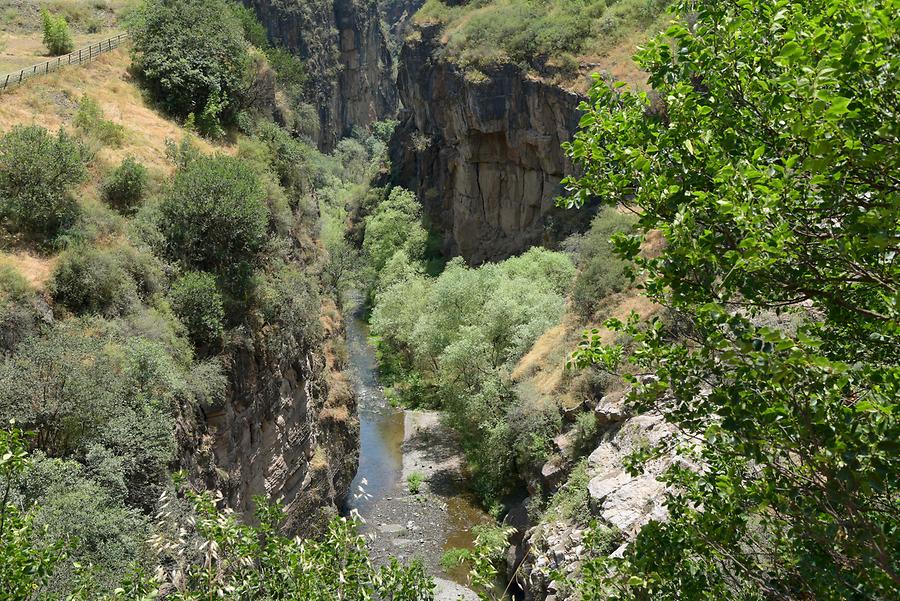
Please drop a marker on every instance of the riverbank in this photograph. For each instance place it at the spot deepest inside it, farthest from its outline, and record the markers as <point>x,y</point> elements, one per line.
<point>395,445</point>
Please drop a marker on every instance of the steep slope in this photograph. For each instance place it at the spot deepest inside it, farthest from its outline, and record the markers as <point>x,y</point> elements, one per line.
<point>347,56</point>
<point>285,425</point>
<point>483,154</point>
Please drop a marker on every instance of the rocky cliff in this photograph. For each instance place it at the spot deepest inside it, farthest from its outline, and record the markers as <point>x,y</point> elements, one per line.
<point>347,57</point>
<point>482,152</point>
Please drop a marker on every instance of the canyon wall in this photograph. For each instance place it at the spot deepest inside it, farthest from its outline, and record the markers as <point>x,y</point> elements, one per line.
<point>286,429</point>
<point>346,54</point>
<point>482,153</point>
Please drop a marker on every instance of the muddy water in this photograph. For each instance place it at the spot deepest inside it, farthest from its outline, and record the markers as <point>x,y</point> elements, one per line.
<point>398,523</point>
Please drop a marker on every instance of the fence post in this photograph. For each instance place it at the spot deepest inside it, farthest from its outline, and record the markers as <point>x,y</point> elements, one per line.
<point>111,43</point>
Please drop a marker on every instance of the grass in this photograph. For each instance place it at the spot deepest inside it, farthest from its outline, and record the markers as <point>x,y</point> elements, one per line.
<point>556,37</point>
<point>84,16</point>
<point>52,101</point>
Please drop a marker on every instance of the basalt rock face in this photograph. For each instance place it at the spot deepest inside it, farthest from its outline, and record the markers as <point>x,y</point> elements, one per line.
<point>483,156</point>
<point>286,429</point>
<point>347,57</point>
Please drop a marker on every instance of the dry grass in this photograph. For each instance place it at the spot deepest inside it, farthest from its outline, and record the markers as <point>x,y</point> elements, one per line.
<point>36,270</point>
<point>51,101</point>
<point>83,16</point>
<point>542,370</point>
<point>18,50</point>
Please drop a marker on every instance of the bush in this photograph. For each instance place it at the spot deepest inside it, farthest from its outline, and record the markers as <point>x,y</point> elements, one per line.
<point>125,186</point>
<point>602,271</point>
<point>198,304</point>
<point>214,217</point>
<point>90,122</point>
<point>192,55</point>
<point>37,172</point>
<point>88,279</point>
<point>414,482</point>
<point>57,37</point>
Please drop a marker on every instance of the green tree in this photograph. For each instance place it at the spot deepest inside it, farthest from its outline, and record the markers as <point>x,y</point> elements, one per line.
<point>198,304</point>
<point>214,217</point>
<point>57,37</point>
<point>25,565</point>
<point>394,225</point>
<point>126,185</point>
<point>193,56</point>
<point>37,173</point>
<point>768,162</point>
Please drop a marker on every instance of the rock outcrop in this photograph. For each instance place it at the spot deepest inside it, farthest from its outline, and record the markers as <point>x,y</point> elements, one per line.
<point>616,499</point>
<point>482,153</point>
<point>287,428</point>
<point>346,54</point>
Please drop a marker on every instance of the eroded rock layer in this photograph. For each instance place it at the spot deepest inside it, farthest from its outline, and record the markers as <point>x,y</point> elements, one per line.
<point>286,430</point>
<point>483,153</point>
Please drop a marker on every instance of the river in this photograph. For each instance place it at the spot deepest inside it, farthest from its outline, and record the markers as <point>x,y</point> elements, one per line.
<point>394,444</point>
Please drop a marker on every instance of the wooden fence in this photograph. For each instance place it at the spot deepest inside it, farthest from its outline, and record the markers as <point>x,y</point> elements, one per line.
<point>78,57</point>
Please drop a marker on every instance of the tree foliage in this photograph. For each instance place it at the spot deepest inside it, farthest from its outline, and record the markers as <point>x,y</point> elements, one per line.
<point>769,164</point>
<point>198,304</point>
<point>37,173</point>
<point>193,56</point>
<point>450,342</point>
<point>57,37</point>
<point>214,216</point>
<point>126,185</point>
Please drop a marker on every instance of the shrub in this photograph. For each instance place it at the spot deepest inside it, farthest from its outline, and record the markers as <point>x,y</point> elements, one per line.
<point>13,287</point>
<point>57,37</point>
<point>214,217</point>
<point>37,172</point>
<point>586,429</point>
<point>414,482</point>
<point>90,122</point>
<point>602,271</point>
<point>198,304</point>
<point>88,279</point>
<point>192,55</point>
<point>125,186</point>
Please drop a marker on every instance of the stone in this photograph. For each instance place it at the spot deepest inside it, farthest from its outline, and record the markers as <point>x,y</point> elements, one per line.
<point>346,51</point>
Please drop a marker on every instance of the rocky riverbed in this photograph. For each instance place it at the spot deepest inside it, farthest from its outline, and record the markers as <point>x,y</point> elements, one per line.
<point>399,446</point>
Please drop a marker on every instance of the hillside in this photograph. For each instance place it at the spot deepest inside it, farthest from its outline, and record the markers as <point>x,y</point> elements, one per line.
<point>559,40</point>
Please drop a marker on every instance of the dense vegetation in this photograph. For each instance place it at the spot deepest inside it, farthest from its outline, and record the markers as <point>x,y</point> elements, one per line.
<point>37,174</point>
<point>450,341</point>
<point>208,553</point>
<point>105,371</point>
<point>536,33</point>
<point>769,166</point>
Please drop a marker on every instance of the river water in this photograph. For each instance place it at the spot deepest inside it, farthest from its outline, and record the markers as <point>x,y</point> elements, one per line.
<point>393,443</point>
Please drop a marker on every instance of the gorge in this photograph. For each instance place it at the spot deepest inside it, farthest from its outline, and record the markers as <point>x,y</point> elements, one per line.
<point>429,300</point>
